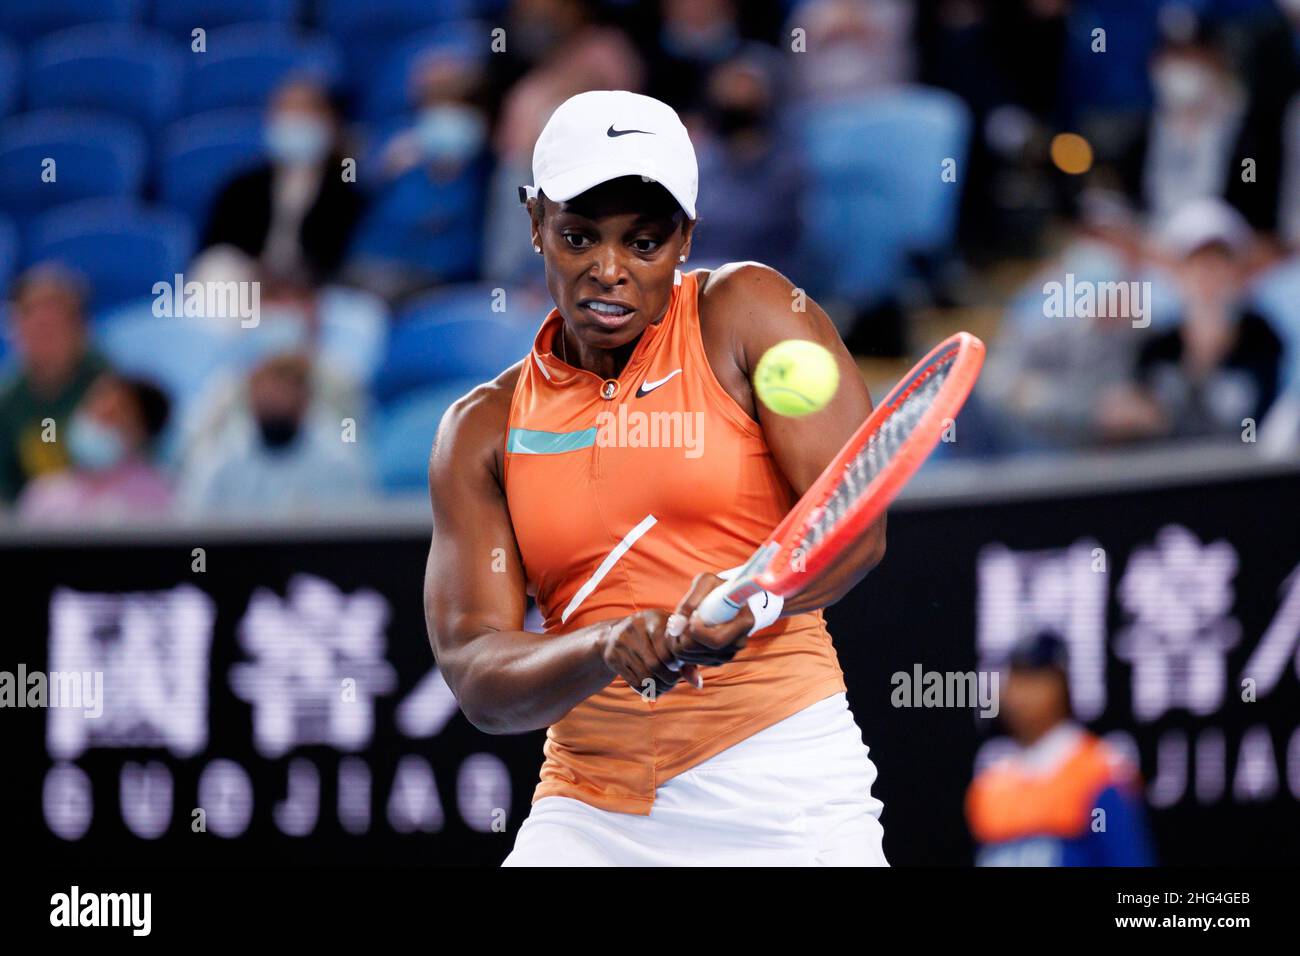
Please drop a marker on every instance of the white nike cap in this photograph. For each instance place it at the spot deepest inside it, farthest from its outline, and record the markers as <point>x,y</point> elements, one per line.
<point>594,137</point>
<point>1203,222</point>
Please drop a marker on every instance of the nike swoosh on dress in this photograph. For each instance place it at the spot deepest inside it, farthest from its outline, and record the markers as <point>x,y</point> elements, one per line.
<point>648,387</point>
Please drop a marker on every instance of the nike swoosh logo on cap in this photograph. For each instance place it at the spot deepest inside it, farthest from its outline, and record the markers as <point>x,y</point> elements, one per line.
<point>611,132</point>
<point>648,387</point>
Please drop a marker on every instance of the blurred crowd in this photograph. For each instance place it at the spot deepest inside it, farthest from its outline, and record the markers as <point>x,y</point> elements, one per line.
<point>895,158</point>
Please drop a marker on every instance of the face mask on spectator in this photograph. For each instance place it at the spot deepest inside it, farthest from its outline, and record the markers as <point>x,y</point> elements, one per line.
<point>449,133</point>
<point>297,140</point>
<point>278,431</point>
<point>1181,85</point>
<point>93,445</point>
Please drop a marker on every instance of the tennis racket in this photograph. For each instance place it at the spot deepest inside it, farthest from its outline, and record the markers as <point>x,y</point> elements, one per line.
<point>861,481</point>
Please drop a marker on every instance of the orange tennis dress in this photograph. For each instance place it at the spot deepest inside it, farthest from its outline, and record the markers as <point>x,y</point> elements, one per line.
<point>620,492</point>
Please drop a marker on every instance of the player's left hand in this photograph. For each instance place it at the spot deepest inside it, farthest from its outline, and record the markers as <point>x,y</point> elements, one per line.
<point>703,644</point>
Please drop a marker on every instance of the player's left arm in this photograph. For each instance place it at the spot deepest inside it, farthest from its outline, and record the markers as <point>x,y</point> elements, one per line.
<point>756,307</point>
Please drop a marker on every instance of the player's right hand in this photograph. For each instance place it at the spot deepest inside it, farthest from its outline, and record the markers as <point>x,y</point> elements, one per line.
<point>638,649</point>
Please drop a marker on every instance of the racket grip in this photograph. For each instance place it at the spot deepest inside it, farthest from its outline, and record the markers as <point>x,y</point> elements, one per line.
<point>717,608</point>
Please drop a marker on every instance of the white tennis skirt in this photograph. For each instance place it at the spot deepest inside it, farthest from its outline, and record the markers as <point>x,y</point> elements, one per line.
<point>795,794</point>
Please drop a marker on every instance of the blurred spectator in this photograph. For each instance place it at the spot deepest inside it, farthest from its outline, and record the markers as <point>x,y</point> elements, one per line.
<point>695,36</point>
<point>852,46</point>
<point>109,440</point>
<point>978,50</point>
<point>573,55</point>
<point>1049,377</point>
<point>1191,138</point>
<point>293,215</point>
<point>1222,363</point>
<point>577,55</point>
<point>1063,797</point>
<point>56,367</point>
<point>277,456</point>
<point>296,319</point>
<point>425,226</point>
<point>742,155</point>
<point>958,53</point>
<point>535,28</point>
<point>1270,69</point>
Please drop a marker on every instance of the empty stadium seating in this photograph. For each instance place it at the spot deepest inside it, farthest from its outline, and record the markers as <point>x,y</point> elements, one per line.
<point>121,246</point>
<point>450,335</point>
<point>26,21</point>
<point>387,93</point>
<point>876,191</point>
<point>123,70</point>
<point>406,432</point>
<point>365,31</point>
<point>244,63</point>
<point>180,17</point>
<point>92,156</point>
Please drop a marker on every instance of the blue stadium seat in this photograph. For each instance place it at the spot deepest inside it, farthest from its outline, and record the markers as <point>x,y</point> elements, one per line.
<point>8,254</point>
<point>180,17</point>
<point>386,92</point>
<point>466,302</point>
<point>244,64</point>
<point>437,344</point>
<point>120,69</point>
<point>432,228</point>
<point>368,32</point>
<point>94,156</point>
<point>121,246</point>
<point>199,155</point>
<point>876,193</point>
<point>11,71</point>
<point>24,21</point>
<point>406,432</point>
<point>352,331</point>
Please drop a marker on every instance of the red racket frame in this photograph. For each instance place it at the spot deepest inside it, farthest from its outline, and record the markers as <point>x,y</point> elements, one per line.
<point>770,566</point>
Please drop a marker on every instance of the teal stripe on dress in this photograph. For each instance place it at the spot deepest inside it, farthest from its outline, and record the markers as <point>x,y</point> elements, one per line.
<point>526,441</point>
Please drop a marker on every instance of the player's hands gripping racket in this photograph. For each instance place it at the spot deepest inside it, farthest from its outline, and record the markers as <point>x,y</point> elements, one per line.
<point>859,483</point>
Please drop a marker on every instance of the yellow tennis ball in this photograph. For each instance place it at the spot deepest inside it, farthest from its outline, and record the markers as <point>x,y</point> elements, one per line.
<point>796,377</point>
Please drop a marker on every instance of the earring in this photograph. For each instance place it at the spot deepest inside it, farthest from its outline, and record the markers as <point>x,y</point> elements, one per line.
<point>537,249</point>
<point>681,258</point>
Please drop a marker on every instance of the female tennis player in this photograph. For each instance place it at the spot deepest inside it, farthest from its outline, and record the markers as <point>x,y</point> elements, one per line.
<point>616,473</point>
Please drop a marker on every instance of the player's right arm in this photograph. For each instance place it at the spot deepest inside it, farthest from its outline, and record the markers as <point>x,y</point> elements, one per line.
<point>506,679</point>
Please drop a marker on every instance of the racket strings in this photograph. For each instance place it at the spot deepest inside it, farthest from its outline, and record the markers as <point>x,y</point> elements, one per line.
<point>879,450</point>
